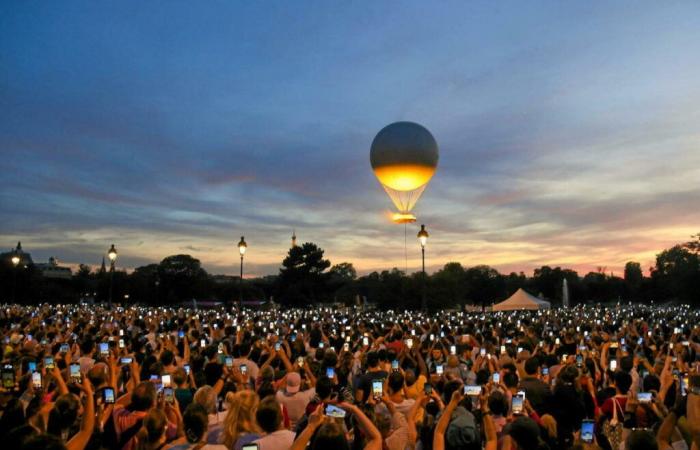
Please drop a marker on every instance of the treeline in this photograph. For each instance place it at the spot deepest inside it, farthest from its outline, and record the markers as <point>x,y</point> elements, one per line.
<point>306,277</point>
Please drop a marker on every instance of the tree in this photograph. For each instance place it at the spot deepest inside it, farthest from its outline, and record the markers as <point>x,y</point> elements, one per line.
<point>448,286</point>
<point>303,275</point>
<point>484,285</point>
<point>344,271</point>
<point>633,278</point>
<point>677,274</point>
<point>694,245</point>
<point>182,279</point>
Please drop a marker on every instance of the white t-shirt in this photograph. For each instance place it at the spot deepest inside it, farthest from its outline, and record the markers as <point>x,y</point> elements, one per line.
<point>295,403</point>
<point>279,440</point>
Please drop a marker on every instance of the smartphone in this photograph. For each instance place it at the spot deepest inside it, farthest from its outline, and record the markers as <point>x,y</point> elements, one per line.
<point>579,361</point>
<point>229,362</point>
<point>482,352</point>
<point>300,361</point>
<point>644,397</point>
<point>104,349</point>
<point>335,412</point>
<point>377,388</point>
<point>503,349</point>
<point>473,390</point>
<point>121,332</point>
<point>428,389</point>
<point>121,343</point>
<point>409,343</point>
<point>517,404</point>
<point>395,365</point>
<point>587,431</point>
<point>36,380</point>
<point>31,366</point>
<point>250,447</point>
<point>169,395</point>
<point>545,371</point>
<point>220,349</point>
<point>330,372</point>
<point>64,348</point>
<point>439,369</point>
<point>453,349</point>
<point>365,341</point>
<point>75,375</point>
<point>126,360</point>
<point>557,341</point>
<point>108,396</point>
<point>8,376</point>
<point>187,369</point>
<point>244,369</point>
<point>684,381</point>
<point>203,343</point>
<point>165,379</point>
<point>496,377</point>
<point>278,346</point>
<point>613,365</point>
<point>48,362</point>
<point>181,334</point>
<point>346,347</point>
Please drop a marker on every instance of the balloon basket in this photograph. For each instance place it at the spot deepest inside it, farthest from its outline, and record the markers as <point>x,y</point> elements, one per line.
<point>403,218</point>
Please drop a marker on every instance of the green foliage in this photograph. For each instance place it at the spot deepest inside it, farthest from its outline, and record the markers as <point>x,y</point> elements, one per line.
<point>303,277</point>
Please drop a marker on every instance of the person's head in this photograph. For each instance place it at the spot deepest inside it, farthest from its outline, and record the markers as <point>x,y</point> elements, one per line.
<point>43,441</point>
<point>293,383</point>
<point>410,377</point>
<point>396,382</point>
<point>524,432</point>
<point>179,377</point>
<point>152,432</point>
<point>510,379</point>
<point>87,346</point>
<point>532,365</point>
<point>324,388</point>
<point>372,360</point>
<point>498,404</point>
<point>195,422</point>
<point>623,382</point>
<point>143,397</point>
<point>167,358</point>
<point>98,374</point>
<point>641,440</point>
<point>330,435</point>
<point>206,397</point>
<point>242,408</point>
<point>63,414</point>
<point>269,415</point>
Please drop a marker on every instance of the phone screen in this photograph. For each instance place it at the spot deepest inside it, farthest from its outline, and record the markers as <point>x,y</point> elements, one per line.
<point>104,348</point>
<point>377,388</point>
<point>36,380</point>
<point>496,377</point>
<point>229,361</point>
<point>250,447</point>
<point>545,371</point>
<point>517,406</point>
<point>394,365</point>
<point>472,390</point>
<point>644,397</point>
<point>330,372</point>
<point>108,395</point>
<point>75,372</point>
<point>8,376</point>
<point>439,369</point>
<point>613,365</point>
<point>48,362</point>
<point>428,389</point>
<point>169,395</point>
<point>165,379</point>
<point>587,431</point>
<point>244,369</point>
<point>334,411</point>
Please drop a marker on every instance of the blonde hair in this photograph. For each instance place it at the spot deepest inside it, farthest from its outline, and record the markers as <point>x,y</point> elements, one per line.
<point>549,424</point>
<point>240,418</point>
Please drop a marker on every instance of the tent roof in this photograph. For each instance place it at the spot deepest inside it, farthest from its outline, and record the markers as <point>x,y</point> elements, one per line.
<point>521,300</point>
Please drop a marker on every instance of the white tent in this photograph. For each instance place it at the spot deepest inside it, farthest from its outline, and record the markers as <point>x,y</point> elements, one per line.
<point>521,300</point>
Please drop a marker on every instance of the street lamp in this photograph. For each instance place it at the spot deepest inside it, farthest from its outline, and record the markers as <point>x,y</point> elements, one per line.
<point>15,262</point>
<point>242,247</point>
<point>112,255</point>
<point>423,238</point>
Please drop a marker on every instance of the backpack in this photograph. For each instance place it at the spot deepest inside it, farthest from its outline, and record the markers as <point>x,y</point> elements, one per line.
<point>612,429</point>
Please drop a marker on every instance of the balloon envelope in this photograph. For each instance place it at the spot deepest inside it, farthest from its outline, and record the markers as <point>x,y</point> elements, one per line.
<point>404,157</point>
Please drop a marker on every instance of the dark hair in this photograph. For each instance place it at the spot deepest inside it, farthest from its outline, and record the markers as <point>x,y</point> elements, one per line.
<point>531,365</point>
<point>641,440</point>
<point>324,387</point>
<point>510,379</point>
<point>143,396</point>
<point>167,357</point>
<point>43,442</point>
<point>330,435</point>
<point>372,359</point>
<point>268,415</point>
<point>195,421</point>
<point>63,414</point>
<point>13,415</point>
<point>498,403</point>
<point>154,425</point>
<point>623,381</point>
<point>396,381</point>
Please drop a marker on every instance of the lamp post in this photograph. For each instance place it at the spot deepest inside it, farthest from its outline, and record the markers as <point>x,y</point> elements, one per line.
<point>242,247</point>
<point>112,255</point>
<point>15,262</point>
<point>423,238</point>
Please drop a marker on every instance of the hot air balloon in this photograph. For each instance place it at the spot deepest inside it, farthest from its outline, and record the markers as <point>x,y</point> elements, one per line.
<point>404,157</point>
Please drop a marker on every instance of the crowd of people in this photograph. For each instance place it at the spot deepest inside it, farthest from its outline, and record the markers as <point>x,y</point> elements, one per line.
<point>86,377</point>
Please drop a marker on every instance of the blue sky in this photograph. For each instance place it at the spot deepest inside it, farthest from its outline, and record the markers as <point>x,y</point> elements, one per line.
<point>569,133</point>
